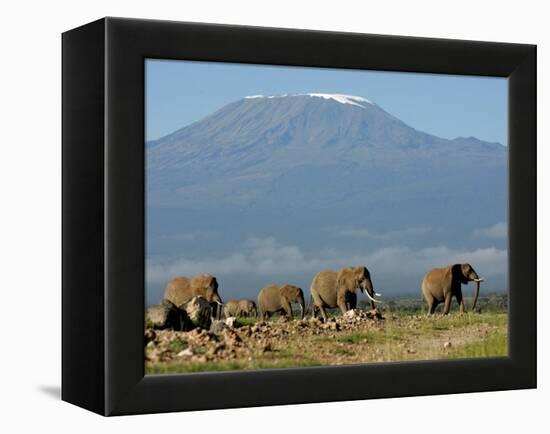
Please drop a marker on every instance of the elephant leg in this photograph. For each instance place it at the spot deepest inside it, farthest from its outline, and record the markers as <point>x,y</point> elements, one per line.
<point>460,301</point>
<point>448,298</point>
<point>323,313</point>
<point>342,303</point>
<point>432,304</point>
<point>352,301</point>
<point>287,308</point>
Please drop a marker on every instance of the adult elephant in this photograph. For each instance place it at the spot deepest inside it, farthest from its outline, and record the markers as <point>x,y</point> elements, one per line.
<point>440,285</point>
<point>182,289</point>
<point>330,289</point>
<point>278,299</point>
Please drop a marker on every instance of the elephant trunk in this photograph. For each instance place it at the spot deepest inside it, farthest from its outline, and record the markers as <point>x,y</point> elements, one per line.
<point>478,282</point>
<point>218,306</point>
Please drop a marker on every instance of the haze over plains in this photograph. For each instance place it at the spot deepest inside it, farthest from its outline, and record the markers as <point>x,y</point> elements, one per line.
<point>273,187</point>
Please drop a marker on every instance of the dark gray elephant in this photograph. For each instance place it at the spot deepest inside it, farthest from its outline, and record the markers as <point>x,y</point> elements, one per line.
<point>440,285</point>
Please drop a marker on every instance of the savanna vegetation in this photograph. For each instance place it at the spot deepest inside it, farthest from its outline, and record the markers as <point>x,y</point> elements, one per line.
<point>400,331</point>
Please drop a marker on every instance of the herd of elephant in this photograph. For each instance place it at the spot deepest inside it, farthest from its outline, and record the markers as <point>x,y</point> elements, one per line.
<point>329,289</point>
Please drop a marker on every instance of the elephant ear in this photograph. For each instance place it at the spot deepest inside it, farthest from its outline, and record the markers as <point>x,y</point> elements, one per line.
<point>361,272</point>
<point>290,292</point>
<point>285,291</point>
<point>210,281</point>
<point>345,279</point>
<point>457,273</point>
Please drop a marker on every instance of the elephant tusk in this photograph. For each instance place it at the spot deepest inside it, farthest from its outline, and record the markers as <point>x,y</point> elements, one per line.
<point>369,296</point>
<point>221,304</point>
<point>481,279</point>
<point>377,294</point>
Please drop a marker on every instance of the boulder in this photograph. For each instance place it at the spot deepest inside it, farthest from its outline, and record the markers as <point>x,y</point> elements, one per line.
<point>218,326</point>
<point>352,313</point>
<point>230,322</point>
<point>188,352</point>
<point>166,315</point>
<point>374,314</point>
<point>199,312</point>
<point>150,335</point>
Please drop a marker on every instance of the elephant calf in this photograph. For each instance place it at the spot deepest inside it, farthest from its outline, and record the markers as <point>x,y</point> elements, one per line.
<point>278,299</point>
<point>240,308</point>
<point>442,284</point>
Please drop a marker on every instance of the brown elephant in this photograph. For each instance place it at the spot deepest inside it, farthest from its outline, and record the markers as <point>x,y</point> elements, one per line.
<point>182,289</point>
<point>442,284</point>
<point>240,308</point>
<point>330,289</point>
<point>248,308</point>
<point>278,299</point>
<point>231,308</point>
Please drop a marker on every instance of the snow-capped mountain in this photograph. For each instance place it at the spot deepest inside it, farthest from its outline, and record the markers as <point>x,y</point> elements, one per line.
<point>300,167</point>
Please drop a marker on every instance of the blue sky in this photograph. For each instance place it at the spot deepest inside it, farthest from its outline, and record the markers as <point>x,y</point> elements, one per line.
<point>181,92</point>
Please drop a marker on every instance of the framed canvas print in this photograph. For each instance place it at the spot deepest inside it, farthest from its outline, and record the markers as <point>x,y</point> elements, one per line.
<point>299,216</point>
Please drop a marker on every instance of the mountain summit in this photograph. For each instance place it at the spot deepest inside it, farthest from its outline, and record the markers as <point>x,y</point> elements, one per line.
<point>342,99</point>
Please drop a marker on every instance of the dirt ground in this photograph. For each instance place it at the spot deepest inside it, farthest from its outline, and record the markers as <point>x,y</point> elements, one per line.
<point>356,338</point>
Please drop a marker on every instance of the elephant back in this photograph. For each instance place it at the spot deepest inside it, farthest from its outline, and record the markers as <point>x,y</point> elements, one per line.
<point>182,289</point>
<point>323,287</point>
<point>269,298</point>
<point>178,291</point>
<point>324,280</point>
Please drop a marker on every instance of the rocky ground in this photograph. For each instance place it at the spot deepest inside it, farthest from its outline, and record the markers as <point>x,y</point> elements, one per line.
<point>357,337</point>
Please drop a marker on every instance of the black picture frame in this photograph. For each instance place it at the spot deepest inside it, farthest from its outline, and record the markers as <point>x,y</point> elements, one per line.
<point>103,215</point>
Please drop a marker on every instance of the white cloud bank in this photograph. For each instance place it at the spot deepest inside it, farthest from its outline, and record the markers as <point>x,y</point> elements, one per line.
<point>267,257</point>
<point>365,233</point>
<point>498,230</point>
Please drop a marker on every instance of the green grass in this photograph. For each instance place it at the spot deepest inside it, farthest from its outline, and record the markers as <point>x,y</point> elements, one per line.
<point>440,322</point>
<point>245,321</point>
<point>493,346</point>
<point>177,345</point>
<point>230,365</point>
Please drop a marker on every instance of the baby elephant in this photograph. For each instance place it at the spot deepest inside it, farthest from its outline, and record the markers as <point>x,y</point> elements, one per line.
<point>240,308</point>
<point>278,299</point>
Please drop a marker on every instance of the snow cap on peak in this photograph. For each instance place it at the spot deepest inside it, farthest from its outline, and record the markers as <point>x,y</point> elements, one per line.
<point>341,98</point>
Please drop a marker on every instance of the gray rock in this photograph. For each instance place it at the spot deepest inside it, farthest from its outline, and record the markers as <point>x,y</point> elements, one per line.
<point>199,312</point>
<point>230,322</point>
<point>188,352</point>
<point>218,326</point>
<point>166,315</point>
